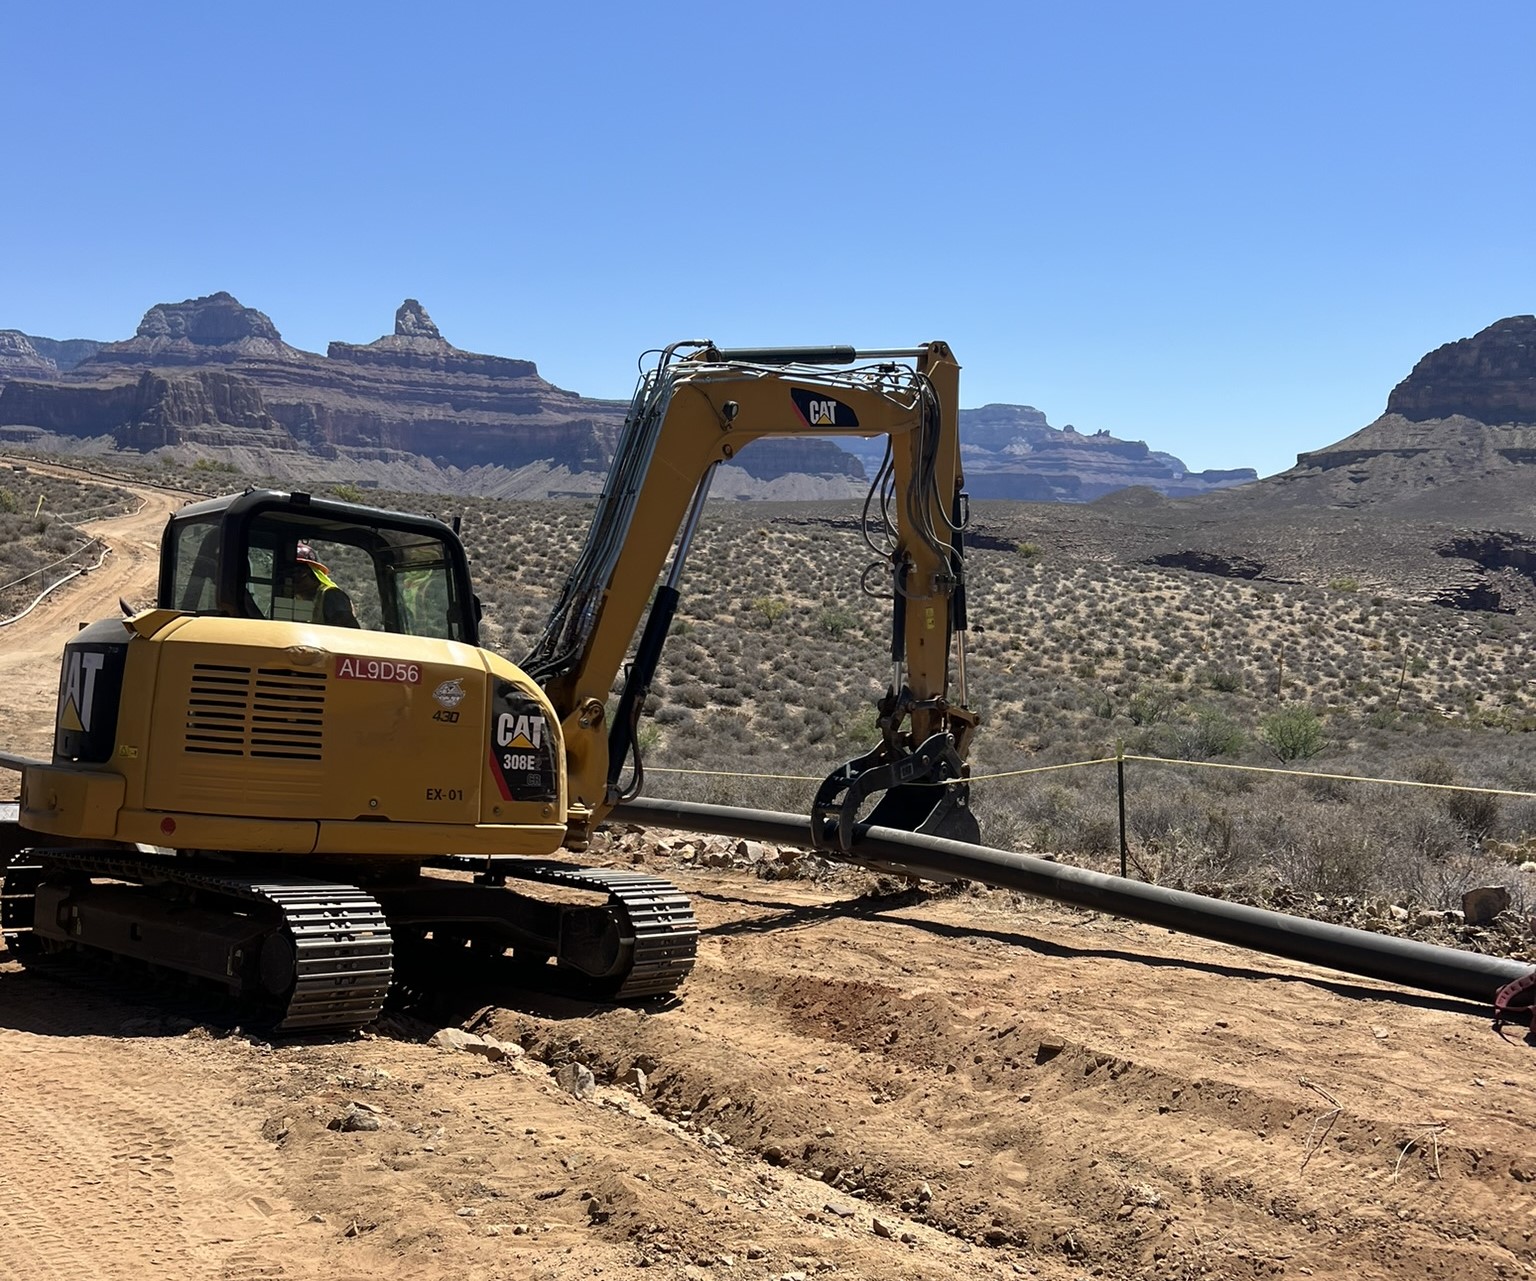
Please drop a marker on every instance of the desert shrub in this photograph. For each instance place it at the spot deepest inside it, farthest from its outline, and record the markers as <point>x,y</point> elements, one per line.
<point>1210,733</point>
<point>1001,826</point>
<point>1475,813</point>
<point>1154,818</point>
<point>1328,859</point>
<point>1292,733</point>
<point>1440,882</point>
<point>692,695</point>
<point>1331,791</point>
<point>1095,835</point>
<point>834,620</point>
<point>860,727</point>
<point>1224,680</point>
<point>1433,769</point>
<point>770,609</point>
<point>1148,706</point>
<point>1417,834</point>
<point>9,503</point>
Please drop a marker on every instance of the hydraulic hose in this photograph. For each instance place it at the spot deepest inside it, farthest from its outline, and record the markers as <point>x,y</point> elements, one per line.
<point>1446,970</point>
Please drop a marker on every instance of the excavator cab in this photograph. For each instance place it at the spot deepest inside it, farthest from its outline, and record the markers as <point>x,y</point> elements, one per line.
<point>264,554</point>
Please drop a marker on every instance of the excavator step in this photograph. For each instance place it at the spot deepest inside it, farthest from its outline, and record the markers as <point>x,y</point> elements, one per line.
<point>18,890</point>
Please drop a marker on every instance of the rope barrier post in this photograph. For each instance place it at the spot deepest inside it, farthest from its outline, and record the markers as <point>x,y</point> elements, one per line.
<point>1120,788</point>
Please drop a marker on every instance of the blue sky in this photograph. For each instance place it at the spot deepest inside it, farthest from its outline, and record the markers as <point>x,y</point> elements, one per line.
<point>1226,229</point>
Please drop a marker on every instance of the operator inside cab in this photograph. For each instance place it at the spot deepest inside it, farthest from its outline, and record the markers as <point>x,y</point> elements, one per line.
<point>311,581</point>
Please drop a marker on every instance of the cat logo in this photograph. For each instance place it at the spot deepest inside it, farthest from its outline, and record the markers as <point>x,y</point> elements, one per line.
<point>522,749</point>
<point>526,732</point>
<point>817,409</point>
<point>79,700</point>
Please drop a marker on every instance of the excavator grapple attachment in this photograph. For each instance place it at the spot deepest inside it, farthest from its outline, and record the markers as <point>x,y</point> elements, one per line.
<point>925,791</point>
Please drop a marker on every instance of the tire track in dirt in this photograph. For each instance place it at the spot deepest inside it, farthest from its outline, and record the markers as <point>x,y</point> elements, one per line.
<point>107,1172</point>
<point>126,1152</point>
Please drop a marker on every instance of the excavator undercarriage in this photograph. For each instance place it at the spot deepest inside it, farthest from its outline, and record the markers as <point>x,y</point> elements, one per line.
<point>300,953</point>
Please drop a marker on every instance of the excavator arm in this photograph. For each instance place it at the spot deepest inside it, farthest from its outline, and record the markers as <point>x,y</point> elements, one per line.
<point>696,408</point>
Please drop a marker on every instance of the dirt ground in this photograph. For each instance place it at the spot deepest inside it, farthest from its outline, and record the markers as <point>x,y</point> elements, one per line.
<point>945,1085</point>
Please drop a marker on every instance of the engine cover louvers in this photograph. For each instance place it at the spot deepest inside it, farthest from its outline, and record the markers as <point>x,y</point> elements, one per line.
<point>271,712</point>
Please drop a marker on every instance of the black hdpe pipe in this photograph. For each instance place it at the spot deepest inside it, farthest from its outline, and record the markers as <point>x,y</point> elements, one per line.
<point>1446,970</point>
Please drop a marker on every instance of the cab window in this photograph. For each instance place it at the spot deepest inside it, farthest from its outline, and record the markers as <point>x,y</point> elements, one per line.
<point>194,574</point>
<point>392,580</point>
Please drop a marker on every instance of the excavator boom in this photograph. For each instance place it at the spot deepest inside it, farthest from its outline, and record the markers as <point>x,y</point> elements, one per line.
<point>699,406</point>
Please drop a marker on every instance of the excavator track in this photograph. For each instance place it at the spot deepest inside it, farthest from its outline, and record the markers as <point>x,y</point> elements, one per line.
<point>18,886</point>
<point>317,955</point>
<point>322,958</point>
<point>658,930</point>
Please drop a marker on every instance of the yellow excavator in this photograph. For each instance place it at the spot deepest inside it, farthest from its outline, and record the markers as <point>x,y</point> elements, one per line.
<point>261,780</point>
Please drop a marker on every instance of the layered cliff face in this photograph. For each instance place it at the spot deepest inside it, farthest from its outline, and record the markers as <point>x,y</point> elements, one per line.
<point>1012,452</point>
<point>1459,433</point>
<point>212,406</point>
<point>66,353</point>
<point>199,331</point>
<point>410,410</point>
<point>1489,377</point>
<point>418,345</point>
<point>212,373</point>
<point>19,357</point>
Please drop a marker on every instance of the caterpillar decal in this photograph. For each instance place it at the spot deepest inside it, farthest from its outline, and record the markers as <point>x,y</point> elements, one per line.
<point>90,686</point>
<point>522,748</point>
<point>817,409</point>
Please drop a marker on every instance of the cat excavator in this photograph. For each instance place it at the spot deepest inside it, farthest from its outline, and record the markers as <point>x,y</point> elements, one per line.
<point>300,766</point>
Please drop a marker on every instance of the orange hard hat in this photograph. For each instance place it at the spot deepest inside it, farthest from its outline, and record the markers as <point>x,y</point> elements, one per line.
<point>305,555</point>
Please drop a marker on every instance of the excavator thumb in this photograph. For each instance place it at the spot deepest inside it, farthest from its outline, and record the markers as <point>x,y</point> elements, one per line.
<point>925,791</point>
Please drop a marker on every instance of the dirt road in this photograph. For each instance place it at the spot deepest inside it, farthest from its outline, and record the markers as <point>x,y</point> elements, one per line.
<point>30,647</point>
<point>958,1086</point>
